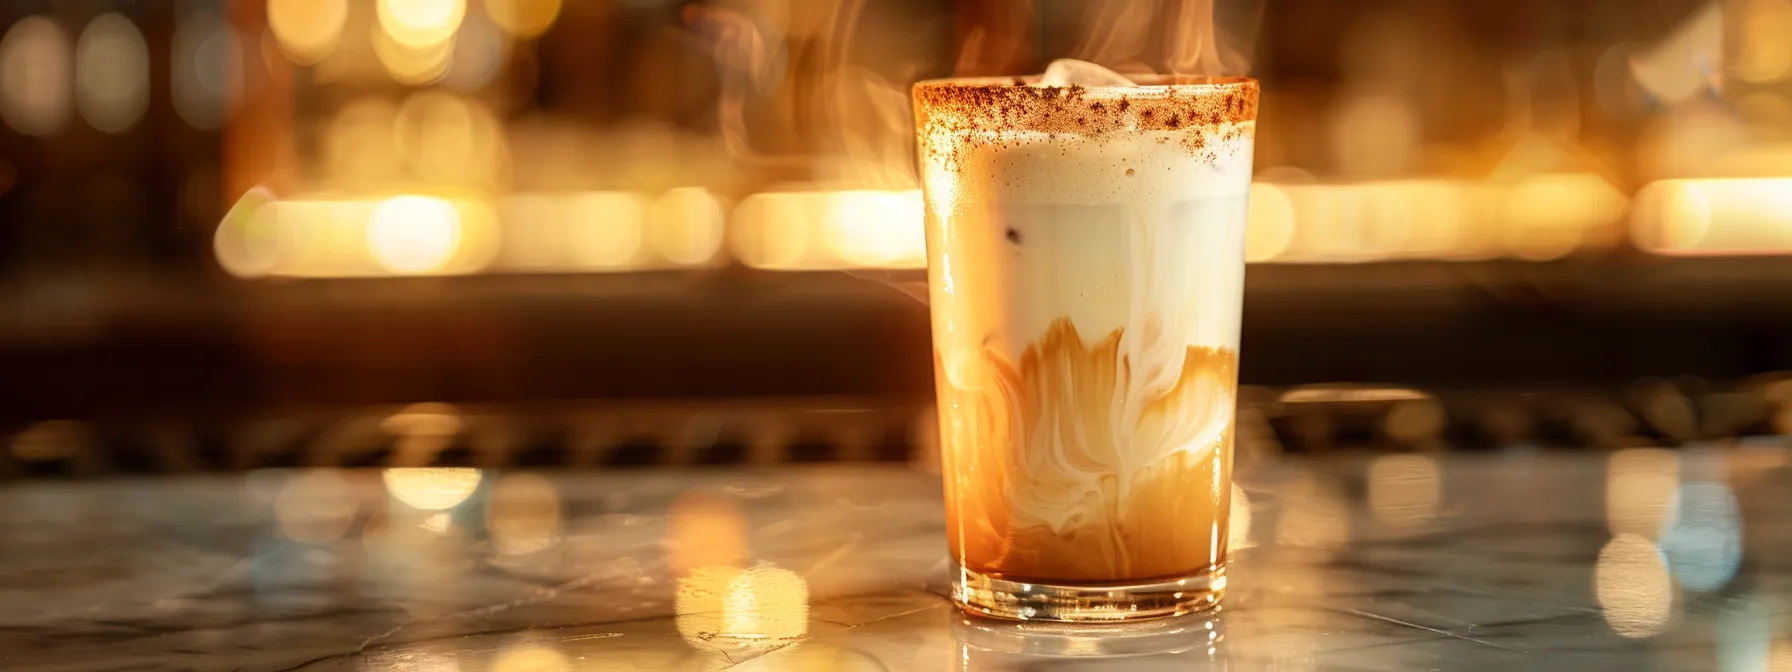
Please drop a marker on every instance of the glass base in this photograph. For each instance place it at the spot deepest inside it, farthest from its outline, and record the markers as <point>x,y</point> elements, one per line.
<point>982,595</point>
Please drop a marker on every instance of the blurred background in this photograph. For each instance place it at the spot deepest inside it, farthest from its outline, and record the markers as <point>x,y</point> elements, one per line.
<point>247,233</point>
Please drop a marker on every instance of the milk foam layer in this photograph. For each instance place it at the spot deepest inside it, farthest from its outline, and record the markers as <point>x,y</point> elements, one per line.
<point>1085,289</point>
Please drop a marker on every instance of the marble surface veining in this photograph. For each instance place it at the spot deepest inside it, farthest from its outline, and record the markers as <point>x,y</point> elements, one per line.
<point>1639,559</point>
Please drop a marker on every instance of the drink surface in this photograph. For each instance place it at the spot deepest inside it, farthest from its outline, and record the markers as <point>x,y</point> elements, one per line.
<point>1086,268</point>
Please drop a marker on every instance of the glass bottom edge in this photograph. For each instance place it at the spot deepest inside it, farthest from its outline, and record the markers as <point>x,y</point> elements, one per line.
<point>982,595</point>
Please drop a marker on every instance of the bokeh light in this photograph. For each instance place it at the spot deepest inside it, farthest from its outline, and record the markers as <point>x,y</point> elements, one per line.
<point>1702,539</point>
<point>1639,487</point>
<point>111,73</point>
<point>412,235</point>
<point>1546,216</point>
<point>1764,54</point>
<point>480,49</point>
<point>1631,583</point>
<point>523,514</point>
<point>207,67</point>
<point>307,30</point>
<point>705,530</point>
<point>1714,216</point>
<point>686,227</point>
<point>817,230</point>
<point>606,229</point>
<point>523,18</point>
<point>35,73</point>
<point>431,488</point>
<point>316,506</point>
<point>413,65</point>
<point>1272,223</point>
<point>420,24</point>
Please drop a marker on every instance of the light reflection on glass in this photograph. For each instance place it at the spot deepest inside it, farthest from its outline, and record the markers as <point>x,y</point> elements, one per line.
<point>1639,486</point>
<point>1404,490</point>
<point>1703,536</point>
<point>1631,584</point>
<point>523,514</point>
<point>431,489</point>
<point>1238,524</point>
<point>316,506</point>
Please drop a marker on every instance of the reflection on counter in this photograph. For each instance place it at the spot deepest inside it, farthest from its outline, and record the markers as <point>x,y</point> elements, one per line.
<point>1405,490</point>
<point>431,488</point>
<point>1632,585</point>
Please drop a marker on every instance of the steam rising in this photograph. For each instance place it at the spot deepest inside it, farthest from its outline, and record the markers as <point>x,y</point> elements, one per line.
<point>1118,35</point>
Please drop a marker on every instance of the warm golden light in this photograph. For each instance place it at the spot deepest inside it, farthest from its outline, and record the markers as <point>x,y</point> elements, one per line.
<point>772,230</point>
<point>1765,55</point>
<point>247,241</point>
<point>703,531</point>
<point>1546,215</point>
<point>768,604</point>
<point>605,229</point>
<point>686,226</point>
<point>1715,217</point>
<point>316,506</point>
<point>431,489</point>
<point>420,24</point>
<point>50,440</point>
<point>1680,66</point>
<point>523,18</point>
<point>1333,394</point>
<point>413,66</point>
<point>698,602</point>
<point>523,514</point>
<point>1405,490</point>
<point>722,607</point>
<point>1639,489</point>
<point>35,69</point>
<point>876,229</point>
<point>450,141</point>
<point>1632,585</point>
<point>411,235</point>
<point>1238,524</point>
<point>111,74</point>
<point>307,30</point>
<point>1271,227</point>
<point>825,230</point>
<point>531,657</point>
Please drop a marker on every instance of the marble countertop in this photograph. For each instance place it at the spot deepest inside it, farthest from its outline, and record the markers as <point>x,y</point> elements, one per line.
<point>1639,559</point>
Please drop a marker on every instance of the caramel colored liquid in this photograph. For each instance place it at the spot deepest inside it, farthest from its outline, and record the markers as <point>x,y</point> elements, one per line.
<point>1040,481</point>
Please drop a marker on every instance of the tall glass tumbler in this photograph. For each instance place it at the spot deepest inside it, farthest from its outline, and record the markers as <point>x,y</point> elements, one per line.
<point>1086,265</point>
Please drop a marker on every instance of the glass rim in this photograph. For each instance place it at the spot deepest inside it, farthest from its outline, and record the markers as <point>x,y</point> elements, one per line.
<point>1143,83</point>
